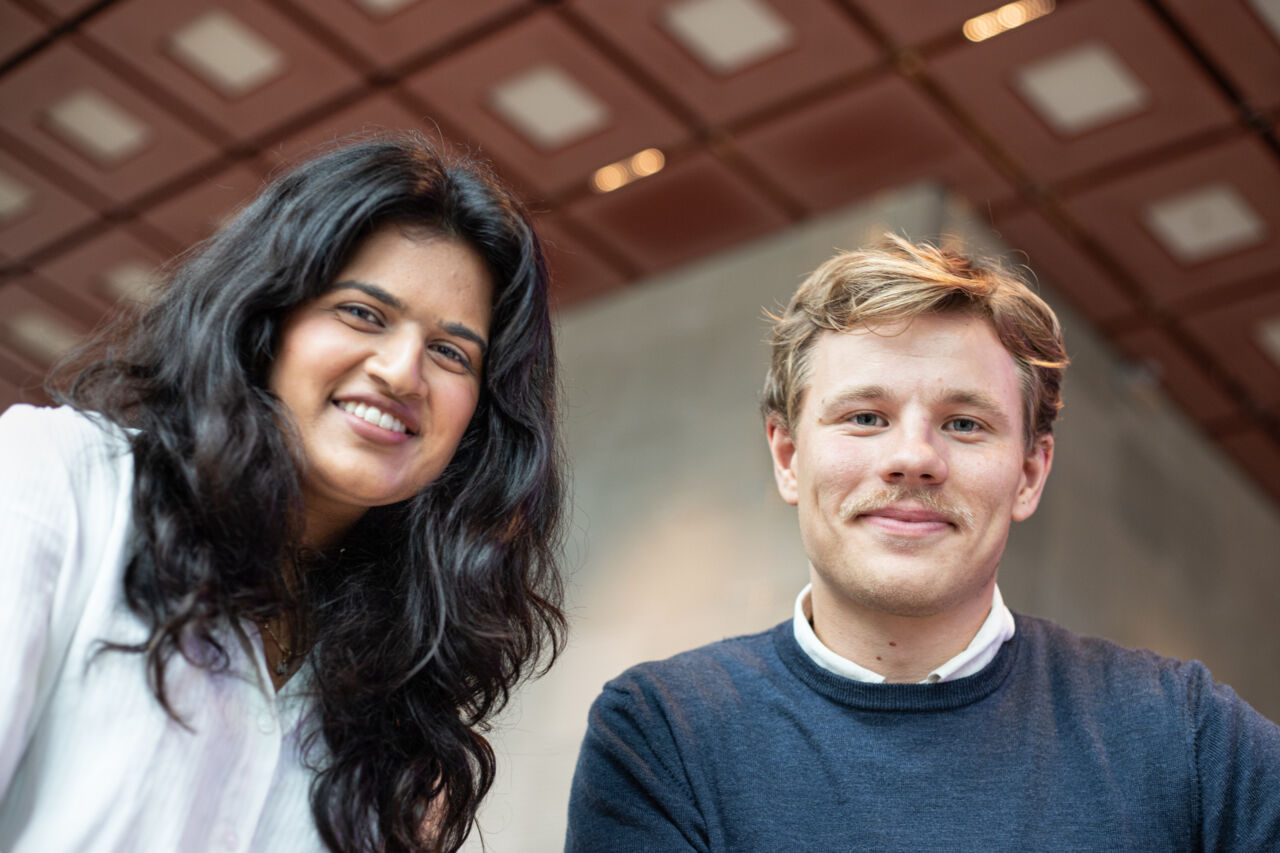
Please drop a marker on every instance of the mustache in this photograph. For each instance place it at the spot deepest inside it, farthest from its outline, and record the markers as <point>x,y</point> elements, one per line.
<point>956,513</point>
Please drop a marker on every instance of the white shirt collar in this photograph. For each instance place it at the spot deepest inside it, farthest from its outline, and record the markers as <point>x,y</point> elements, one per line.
<point>995,631</point>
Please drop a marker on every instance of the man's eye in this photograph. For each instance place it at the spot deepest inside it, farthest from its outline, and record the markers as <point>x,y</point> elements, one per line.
<point>965,425</point>
<point>867,419</point>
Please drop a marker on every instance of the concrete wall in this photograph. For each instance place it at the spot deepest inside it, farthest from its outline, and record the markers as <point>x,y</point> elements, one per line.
<point>1145,534</point>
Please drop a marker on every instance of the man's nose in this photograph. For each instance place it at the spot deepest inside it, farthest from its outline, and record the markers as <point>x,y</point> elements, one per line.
<point>913,456</point>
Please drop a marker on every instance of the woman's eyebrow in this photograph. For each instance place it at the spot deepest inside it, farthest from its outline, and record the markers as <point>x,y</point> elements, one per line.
<point>466,332</point>
<point>371,289</point>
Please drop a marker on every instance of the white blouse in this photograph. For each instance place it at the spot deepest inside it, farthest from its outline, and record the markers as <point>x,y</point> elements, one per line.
<point>88,758</point>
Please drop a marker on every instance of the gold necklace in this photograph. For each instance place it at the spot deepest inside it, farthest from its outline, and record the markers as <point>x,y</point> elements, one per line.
<point>286,654</point>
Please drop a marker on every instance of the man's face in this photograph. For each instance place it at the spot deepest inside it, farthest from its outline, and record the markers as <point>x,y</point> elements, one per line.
<point>907,465</point>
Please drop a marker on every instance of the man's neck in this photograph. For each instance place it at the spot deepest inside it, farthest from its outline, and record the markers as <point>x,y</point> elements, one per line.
<point>901,648</point>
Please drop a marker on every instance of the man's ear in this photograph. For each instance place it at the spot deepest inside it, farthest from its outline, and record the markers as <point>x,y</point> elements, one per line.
<point>783,449</point>
<point>1035,471</point>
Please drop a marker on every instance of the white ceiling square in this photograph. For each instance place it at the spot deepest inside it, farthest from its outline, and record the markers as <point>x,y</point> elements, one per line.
<point>14,198</point>
<point>548,107</point>
<point>727,35</point>
<point>1268,336</point>
<point>40,336</point>
<point>1269,12</point>
<point>1081,88</point>
<point>97,126</point>
<point>1206,222</point>
<point>225,53</point>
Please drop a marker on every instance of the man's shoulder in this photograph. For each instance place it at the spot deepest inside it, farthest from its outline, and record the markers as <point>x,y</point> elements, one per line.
<point>736,662</point>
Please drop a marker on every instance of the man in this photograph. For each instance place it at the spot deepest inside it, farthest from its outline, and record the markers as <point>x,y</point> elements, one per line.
<point>909,410</point>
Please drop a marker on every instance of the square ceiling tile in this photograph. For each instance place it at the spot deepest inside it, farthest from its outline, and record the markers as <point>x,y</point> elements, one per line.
<point>858,142</point>
<point>548,107</point>
<point>42,213</point>
<point>34,329</point>
<point>1207,222</point>
<point>727,35</point>
<point>459,89</point>
<point>1180,101</point>
<point>1065,267</point>
<point>690,209</point>
<point>823,45</point>
<point>62,71</point>
<point>407,29</point>
<point>202,209</point>
<point>1118,214</point>
<point>578,273</point>
<point>1239,41</point>
<point>297,74</point>
<point>1236,335</point>
<point>1081,88</point>
<point>115,264</point>
<point>1179,374</point>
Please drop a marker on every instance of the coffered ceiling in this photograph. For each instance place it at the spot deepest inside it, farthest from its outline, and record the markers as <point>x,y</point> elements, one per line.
<point>1127,147</point>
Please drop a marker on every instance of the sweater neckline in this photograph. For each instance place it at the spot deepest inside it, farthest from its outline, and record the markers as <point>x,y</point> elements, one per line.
<point>865,696</point>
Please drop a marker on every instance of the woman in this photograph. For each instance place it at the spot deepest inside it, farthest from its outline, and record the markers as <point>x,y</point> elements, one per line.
<point>297,539</point>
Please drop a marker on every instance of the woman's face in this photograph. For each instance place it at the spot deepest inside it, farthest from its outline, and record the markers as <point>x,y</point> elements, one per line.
<point>382,373</point>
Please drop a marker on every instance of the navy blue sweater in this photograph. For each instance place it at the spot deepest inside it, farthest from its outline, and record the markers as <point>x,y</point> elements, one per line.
<point>1060,743</point>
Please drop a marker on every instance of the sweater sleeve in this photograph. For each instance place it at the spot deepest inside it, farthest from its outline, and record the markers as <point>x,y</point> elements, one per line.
<point>1237,765</point>
<point>37,526</point>
<point>630,792</point>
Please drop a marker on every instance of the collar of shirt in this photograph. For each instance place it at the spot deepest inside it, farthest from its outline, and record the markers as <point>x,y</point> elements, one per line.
<point>996,630</point>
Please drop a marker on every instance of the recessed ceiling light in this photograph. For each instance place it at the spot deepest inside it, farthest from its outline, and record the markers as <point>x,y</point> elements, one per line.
<point>1269,338</point>
<point>1081,88</point>
<point>135,281</point>
<point>383,8</point>
<point>14,198</point>
<point>39,336</point>
<point>1205,222</point>
<point>95,125</point>
<point>1269,12</point>
<point>727,35</point>
<point>548,107</point>
<point>226,53</point>
<point>1008,17</point>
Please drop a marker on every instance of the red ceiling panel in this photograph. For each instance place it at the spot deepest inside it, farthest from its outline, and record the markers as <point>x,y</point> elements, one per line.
<point>910,22</point>
<point>18,29</point>
<point>1182,378</point>
<point>1068,270</point>
<point>138,33</point>
<point>50,212</point>
<point>695,207</point>
<point>1232,334</point>
<point>201,210</point>
<point>577,273</point>
<point>1258,457</point>
<point>1113,214</point>
<point>826,45</point>
<point>9,391</point>
<point>370,115</point>
<point>66,8</point>
<point>84,270</point>
<point>61,70</point>
<point>411,31</point>
<point>1238,40</point>
<point>877,136</point>
<point>458,88</point>
<point>1182,101</point>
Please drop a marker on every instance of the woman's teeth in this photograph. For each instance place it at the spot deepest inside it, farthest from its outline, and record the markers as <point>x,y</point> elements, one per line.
<point>374,415</point>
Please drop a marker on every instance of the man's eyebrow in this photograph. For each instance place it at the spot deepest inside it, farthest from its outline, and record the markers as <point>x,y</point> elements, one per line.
<point>458,329</point>
<point>365,287</point>
<point>975,399</point>
<point>856,392</point>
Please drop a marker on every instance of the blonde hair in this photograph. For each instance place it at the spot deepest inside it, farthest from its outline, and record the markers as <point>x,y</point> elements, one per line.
<point>898,281</point>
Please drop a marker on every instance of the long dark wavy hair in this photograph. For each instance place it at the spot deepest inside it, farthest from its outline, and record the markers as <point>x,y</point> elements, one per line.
<point>430,611</point>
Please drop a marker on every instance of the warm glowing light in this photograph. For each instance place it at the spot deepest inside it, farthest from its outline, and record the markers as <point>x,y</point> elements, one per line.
<point>647,162</point>
<point>1005,18</point>
<point>639,165</point>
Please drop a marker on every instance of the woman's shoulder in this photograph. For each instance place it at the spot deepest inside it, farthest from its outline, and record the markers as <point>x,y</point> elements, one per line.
<point>44,441</point>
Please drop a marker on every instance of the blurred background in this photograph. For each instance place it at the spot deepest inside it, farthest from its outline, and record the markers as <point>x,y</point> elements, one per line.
<point>688,161</point>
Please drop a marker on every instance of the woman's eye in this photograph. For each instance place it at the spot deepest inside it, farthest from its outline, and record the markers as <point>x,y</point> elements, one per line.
<point>453,354</point>
<point>362,313</point>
